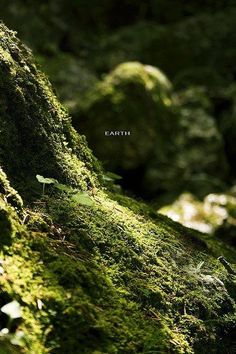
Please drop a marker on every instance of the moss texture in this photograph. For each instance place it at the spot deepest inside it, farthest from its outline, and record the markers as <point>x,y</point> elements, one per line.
<point>112,277</point>
<point>35,129</point>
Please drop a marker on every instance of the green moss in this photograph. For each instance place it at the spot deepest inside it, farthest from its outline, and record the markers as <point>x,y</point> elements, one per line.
<point>154,265</point>
<point>112,277</point>
<point>6,225</point>
<point>8,193</point>
<point>74,291</point>
<point>32,118</point>
<point>128,283</point>
<point>9,200</point>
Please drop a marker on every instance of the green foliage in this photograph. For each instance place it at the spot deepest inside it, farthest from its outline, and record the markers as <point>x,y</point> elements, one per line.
<point>82,198</point>
<point>74,195</point>
<point>44,180</point>
<point>111,177</point>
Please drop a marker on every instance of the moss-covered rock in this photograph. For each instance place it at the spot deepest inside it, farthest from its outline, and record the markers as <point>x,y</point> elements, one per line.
<point>171,135</point>
<point>134,98</point>
<point>128,282</point>
<point>108,277</point>
<point>35,129</point>
<point>197,150</point>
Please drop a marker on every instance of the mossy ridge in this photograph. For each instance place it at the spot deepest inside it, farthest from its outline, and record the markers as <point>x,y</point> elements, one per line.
<point>76,292</point>
<point>33,119</point>
<point>8,193</point>
<point>126,281</point>
<point>155,267</point>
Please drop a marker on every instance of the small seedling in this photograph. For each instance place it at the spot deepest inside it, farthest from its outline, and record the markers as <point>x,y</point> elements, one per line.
<point>45,181</point>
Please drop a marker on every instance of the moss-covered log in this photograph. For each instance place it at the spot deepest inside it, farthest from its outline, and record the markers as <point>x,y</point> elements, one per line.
<point>108,276</point>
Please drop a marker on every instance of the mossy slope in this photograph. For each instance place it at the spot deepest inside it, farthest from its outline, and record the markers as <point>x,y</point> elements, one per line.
<point>35,129</point>
<point>105,278</point>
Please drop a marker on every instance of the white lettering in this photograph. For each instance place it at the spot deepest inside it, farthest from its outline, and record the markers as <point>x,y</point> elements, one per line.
<point>117,132</point>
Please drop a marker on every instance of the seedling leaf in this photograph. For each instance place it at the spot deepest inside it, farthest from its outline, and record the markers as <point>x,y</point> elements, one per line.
<point>44,180</point>
<point>63,187</point>
<point>12,309</point>
<point>83,199</point>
